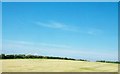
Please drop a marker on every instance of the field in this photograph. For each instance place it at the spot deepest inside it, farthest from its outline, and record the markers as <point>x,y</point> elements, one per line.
<point>50,65</point>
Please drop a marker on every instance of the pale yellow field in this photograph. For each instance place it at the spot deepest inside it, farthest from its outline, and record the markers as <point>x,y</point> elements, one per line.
<point>50,65</point>
<point>0,66</point>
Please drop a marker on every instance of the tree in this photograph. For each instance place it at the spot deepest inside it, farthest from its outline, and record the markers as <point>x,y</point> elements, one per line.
<point>3,56</point>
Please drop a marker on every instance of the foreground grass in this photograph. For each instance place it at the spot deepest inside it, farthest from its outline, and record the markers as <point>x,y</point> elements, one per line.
<point>52,65</point>
<point>0,66</point>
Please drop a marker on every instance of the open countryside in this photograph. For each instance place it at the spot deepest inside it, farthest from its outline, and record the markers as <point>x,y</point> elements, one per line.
<point>81,32</point>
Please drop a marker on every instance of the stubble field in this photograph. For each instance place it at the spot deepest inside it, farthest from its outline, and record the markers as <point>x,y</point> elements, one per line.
<point>51,65</point>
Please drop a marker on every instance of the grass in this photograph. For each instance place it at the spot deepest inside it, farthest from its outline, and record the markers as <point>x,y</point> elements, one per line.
<point>0,66</point>
<point>52,65</point>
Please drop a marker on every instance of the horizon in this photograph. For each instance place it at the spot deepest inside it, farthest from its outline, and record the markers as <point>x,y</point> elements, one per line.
<point>77,30</point>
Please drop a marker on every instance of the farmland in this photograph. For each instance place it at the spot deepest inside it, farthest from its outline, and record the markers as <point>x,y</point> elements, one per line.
<point>54,65</point>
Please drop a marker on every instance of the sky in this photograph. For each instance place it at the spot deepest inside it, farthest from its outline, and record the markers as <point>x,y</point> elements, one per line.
<point>0,27</point>
<point>82,30</point>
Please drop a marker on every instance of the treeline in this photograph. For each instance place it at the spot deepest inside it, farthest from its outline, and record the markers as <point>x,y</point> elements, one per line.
<point>22,56</point>
<point>117,62</point>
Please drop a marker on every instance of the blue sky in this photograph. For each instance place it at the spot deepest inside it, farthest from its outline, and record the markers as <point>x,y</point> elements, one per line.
<point>77,30</point>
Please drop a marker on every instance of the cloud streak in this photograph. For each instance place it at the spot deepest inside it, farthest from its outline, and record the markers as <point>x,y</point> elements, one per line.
<point>25,43</point>
<point>51,25</point>
<point>94,31</point>
<point>61,26</point>
<point>57,25</point>
<point>25,47</point>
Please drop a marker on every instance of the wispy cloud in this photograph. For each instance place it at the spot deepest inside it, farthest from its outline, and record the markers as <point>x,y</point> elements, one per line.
<point>24,47</point>
<point>52,25</point>
<point>94,31</point>
<point>57,25</point>
<point>26,43</point>
<point>66,27</point>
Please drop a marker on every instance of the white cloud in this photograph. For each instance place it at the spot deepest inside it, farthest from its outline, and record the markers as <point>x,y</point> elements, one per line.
<point>51,25</point>
<point>25,47</point>
<point>57,25</point>
<point>12,43</point>
<point>94,31</point>
<point>62,26</point>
